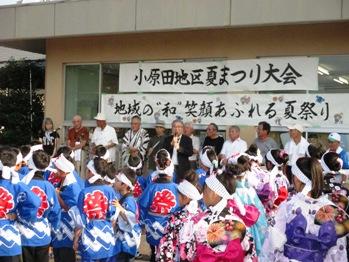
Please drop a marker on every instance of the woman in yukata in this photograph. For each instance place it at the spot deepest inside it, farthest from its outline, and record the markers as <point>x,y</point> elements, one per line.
<point>308,227</point>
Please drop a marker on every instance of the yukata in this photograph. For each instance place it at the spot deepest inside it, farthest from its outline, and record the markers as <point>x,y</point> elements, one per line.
<point>307,230</point>
<point>248,196</point>
<point>139,140</point>
<point>97,239</point>
<point>175,244</point>
<point>272,189</point>
<point>221,234</point>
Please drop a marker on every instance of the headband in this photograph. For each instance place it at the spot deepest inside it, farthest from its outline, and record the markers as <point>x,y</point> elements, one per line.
<point>270,157</point>
<point>135,168</point>
<point>64,164</point>
<point>167,171</point>
<point>31,165</point>
<point>325,167</point>
<point>109,180</point>
<point>123,178</point>
<point>189,190</point>
<point>9,173</point>
<point>32,149</point>
<point>90,166</point>
<point>303,178</point>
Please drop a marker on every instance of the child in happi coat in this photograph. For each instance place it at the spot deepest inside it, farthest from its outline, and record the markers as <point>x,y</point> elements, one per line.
<point>94,235</point>
<point>248,196</point>
<point>221,232</point>
<point>68,153</point>
<point>127,226</point>
<point>308,227</point>
<point>177,240</point>
<point>278,184</point>
<point>135,163</point>
<point>67,191</point>
<point>36,236</point>
<point>17,201</point>
<point>159,200</point>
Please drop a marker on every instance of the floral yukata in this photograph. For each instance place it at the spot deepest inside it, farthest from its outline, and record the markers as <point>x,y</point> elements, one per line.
<point>307,229</point>
<point>217,235</point>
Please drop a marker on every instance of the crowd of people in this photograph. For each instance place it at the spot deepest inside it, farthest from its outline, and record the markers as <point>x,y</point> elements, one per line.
<point>222,200</point>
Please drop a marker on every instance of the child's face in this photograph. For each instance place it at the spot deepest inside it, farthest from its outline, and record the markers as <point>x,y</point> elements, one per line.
<point>183,200</point>
<point>119,186</point>
<point>210,197</point>
<point>89,174</point>
<point>48,126</point>
<point>60,173</point>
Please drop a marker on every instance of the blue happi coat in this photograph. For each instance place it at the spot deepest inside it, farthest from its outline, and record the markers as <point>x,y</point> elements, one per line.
<point>38,233</point>
<point>157,203</point>
<point>97,240</point>
<point>20,200</point>
<point>69,192</point>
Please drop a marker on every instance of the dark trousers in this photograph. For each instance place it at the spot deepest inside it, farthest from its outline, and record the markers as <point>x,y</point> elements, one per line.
<point>64,254</point>
<point>10,259</point>
<point>35,254</point>
<point>152,256</point>
<point>125,257</point>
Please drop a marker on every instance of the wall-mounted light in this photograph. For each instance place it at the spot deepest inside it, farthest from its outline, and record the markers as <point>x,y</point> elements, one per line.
<point>345,81</point>
<point>338,81</point>
<point>322,70</point>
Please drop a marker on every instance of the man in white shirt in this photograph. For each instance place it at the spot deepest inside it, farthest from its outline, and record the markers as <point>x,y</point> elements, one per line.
<point>298,145</point>
<point>188,131</point>
<point>104,135</point>
<point>233,145</point>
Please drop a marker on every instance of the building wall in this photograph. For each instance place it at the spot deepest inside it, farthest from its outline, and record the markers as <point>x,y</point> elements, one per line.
<point>232,43</point>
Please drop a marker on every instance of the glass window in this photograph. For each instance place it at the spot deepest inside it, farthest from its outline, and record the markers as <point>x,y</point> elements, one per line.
<point>110,78</point>
<point>81,91</point>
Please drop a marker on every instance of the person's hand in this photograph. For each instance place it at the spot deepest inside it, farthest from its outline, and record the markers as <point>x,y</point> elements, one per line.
<point>11,216</point>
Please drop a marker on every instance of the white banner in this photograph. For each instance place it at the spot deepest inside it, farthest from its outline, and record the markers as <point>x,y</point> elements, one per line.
<point>321,110</point>
<point>290,73</point>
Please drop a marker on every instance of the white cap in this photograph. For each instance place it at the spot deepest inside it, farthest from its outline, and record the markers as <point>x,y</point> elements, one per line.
<point>100,116</point>
<point>334,137</point>
<point>297,127</point>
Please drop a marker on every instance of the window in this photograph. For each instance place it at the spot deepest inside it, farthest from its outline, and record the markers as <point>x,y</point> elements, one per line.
<point>84,85</point>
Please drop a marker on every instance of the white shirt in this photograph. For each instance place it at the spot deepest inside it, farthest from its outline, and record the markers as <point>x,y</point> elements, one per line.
<point>196,146</point>
<point>233,147</point>
<point>296,151</point>
<point>106,137</point>
<point>174,157</point>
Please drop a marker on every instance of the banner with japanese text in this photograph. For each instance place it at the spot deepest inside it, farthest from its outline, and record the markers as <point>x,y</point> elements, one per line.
<point>288,73</point>
<point>312,110</point>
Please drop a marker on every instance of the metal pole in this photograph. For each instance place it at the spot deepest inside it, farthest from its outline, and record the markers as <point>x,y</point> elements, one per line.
<point>31,102</point>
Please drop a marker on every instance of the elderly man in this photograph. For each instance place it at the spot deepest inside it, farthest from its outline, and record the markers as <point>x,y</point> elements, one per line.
<point>334,145</point>
<point>298,145</point>
<point>77,139</point>
<point>180,148</point>
<point>104,135</point>
<point>189,131</point>
<point>155,144</point>
<point>263,141</point>
<point>233,145</point>
<point>135,141</point>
